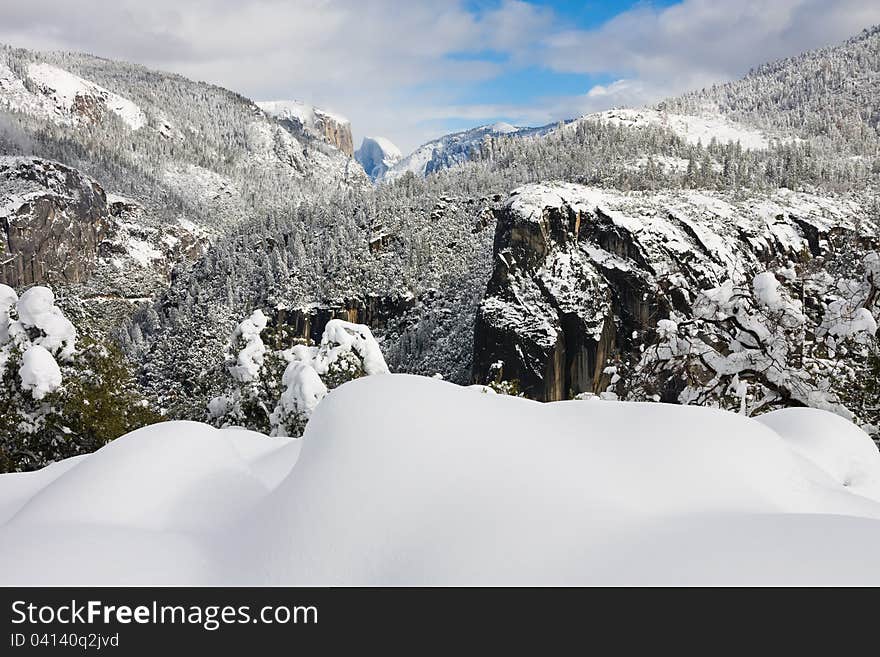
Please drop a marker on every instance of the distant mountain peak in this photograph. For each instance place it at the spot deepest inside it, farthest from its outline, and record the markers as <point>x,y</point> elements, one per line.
<point>333,128</point>
<point>455,148</point>
<point>377,155</point>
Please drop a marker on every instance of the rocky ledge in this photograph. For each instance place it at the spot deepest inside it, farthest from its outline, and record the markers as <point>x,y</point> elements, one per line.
<point>52,219</point>
<point>582,276</point>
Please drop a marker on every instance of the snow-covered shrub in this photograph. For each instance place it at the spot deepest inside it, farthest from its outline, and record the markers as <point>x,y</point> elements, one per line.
<point>756,347</point>
<point>276,391</point>
<point>59,397</point>
<point>303,391</point>
<point>34,337</point>
<point>498,384</point>
<point>252,372</point>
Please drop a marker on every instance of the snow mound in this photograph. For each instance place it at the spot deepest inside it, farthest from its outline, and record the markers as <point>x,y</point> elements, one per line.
<point>837,446</point>
<point>410,480</point>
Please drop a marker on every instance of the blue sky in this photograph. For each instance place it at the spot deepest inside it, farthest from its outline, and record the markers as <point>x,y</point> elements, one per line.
<point>535,81</point>
<point>413,70</point>
<point>523,83</point>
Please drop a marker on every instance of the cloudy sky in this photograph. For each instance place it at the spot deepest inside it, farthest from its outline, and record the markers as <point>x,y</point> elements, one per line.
<point>414,69</point>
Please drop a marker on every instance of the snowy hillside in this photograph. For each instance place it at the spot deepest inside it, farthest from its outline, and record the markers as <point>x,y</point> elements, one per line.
<point>186,160</point>
<point>455,148</point>
<point>828,95</point>
<point>500,491</point>
<point>63,97</point>
<point>175,145</point>
<point>700,128</point>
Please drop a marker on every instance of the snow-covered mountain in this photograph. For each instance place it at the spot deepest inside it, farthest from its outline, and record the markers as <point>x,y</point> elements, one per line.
<point>702,128</point>
<point>455,148</point>
<point>334,128</point>
<point>145,134</point>
<point>189,160</point>
<point>377,155</point>
<point>50,92</point>
<point>416,261</point>
<point>638,239</point>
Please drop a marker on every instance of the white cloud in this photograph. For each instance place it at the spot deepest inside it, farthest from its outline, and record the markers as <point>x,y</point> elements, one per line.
<point>387,64</point>
<point>664,51</point>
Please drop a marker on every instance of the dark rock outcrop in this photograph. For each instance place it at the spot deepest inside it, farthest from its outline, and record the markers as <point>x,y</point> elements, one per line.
<point>582,276</point>
<point>52,218</point>
<point>308,322</point>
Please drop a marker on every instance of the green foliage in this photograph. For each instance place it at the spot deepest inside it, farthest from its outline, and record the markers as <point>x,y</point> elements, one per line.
<point>101,401</point>
<point>97,403</point>
<point>506,387</point>
<point>346,367</point>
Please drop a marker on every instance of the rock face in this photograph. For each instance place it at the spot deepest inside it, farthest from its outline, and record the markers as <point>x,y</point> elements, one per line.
<point>58,226</point>
<point>332,128</point>
<point>582,275</point>
<point>52,219</point>
<point>308,322</point>
<point>336,130</point>
<point>377,155</point>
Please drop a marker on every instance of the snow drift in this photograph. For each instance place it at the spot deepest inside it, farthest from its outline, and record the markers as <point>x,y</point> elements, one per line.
<point>409,480</point>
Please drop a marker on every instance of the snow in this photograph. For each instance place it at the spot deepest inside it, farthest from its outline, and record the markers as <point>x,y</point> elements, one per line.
<point>666,162</point>
<point>410,480</point>
<point>63,89</point>
<point>207,187</point>
<point>665,328</point>
<point>454,148</point>
<point>250,358</point>
<point>39,372</point>
<point>8,299</point>
<point>503,128</point>
<point>36,327</point>
<point>341,337</point>
<point>36,309</point>
<point>333,116</point>
<point>766,289</point>
<point>290,110</point>
<point>861,320</point>
<point>143,252</point>
<point>297,110</point>
<point>377,155</point>
<point>14,95</point>
<point>692,128</point>
<point>834,444</point>
<point>303,391</point>
<point>388,147</point>
<point>305,114</point>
